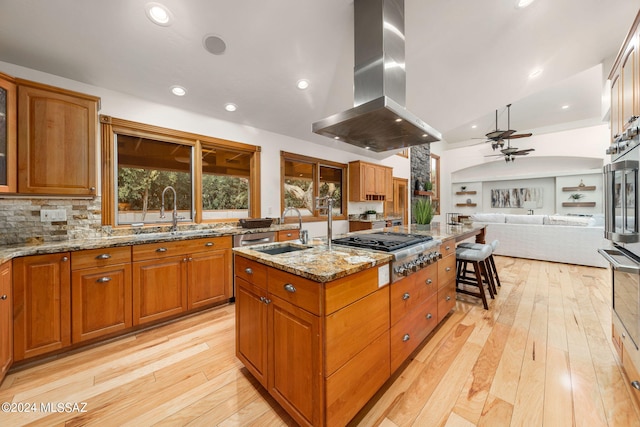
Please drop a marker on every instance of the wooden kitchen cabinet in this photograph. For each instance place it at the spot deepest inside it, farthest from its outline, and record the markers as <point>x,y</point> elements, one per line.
<point>56,140</point>
<point>284,235</point>
<point>172,277</point>
<point>446,279</point>
<point>251,328</point>
<point>41,304</point>
<point>8,147</point>
<point>6,319</point>
<point>368,181</point>
<point>100,292</point>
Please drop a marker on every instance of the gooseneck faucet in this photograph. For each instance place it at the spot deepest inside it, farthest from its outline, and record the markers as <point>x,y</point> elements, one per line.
<point>302,233</point>
<point>174,218</point>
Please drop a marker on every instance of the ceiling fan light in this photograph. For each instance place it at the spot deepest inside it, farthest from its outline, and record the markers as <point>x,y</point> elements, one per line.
<point>535,73</point>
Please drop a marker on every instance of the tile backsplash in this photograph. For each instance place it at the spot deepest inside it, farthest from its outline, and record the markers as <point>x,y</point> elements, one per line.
<point>20,220</point>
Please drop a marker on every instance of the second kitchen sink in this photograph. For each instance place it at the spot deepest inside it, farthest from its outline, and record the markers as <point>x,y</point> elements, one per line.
<point>277,250</point>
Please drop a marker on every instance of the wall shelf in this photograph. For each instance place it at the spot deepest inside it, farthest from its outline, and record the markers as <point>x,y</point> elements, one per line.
<point>422,193</point>
<point>583,188</point>
<point>462,193</point>
<point>578,204</point>
<point>471,205</point>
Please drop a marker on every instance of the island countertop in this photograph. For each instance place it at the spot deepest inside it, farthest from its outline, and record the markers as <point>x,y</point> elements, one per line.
<point>318,263</point>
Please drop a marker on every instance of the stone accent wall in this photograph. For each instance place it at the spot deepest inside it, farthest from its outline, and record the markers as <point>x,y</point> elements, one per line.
<point>420,168</point>
<point>20,220</point>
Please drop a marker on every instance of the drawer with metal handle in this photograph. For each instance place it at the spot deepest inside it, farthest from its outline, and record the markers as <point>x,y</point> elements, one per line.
<point>298,291</point>
<point>91,258</point>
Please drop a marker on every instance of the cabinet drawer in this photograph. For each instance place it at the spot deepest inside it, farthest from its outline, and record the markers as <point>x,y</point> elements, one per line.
<point>446,299</point>
<point>632,373</point>
<point>208,244</point>
<point>412,291</point>
<point>409,332</point>
<point>446,270</point>
<point>92,258</point>
<point>160,250</point>
<point>300,292</point>
<point>284,235</point>
<point>448,247</point>
<point>251,271</point>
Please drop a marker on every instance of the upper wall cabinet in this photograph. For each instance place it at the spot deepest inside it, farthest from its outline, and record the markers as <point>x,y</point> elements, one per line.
<point>7,134</point>
<point>56,140</point>
<point>368,181</point>
<point>625,84</point>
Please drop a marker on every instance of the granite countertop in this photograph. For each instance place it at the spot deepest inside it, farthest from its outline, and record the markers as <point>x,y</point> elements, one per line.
<point>386,218</point>
<point>8,252</point>
<point>316,262</point>
<point>319,264</point>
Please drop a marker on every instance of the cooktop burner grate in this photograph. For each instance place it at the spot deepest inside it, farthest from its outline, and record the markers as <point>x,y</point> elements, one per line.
<point>386,241</point>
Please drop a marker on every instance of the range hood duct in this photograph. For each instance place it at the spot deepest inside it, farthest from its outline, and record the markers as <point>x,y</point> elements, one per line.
<point>379,120</point>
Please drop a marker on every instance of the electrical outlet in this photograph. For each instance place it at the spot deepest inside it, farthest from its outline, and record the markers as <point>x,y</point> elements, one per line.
<point>51,215</point>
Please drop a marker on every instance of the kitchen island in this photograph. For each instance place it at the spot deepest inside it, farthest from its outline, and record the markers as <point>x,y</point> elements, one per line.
<point>322,330</point>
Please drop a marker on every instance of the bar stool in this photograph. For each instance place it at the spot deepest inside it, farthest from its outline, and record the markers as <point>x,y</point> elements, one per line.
<point>491,265</point>
<point>477,257</point>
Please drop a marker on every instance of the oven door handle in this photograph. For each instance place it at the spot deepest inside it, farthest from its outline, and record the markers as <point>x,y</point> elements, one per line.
<point>611,255</point>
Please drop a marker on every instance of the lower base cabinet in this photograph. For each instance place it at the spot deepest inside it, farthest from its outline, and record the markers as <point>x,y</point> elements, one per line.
<point>629,356</point>
<point>41,304</point>
<point>6,319</point>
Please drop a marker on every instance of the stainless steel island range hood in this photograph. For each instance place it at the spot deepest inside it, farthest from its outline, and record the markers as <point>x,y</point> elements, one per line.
<point>379,121</point>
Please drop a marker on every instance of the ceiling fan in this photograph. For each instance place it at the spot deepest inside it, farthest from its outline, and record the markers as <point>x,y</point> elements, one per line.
<point>498,136</point>
<point>510,153</point>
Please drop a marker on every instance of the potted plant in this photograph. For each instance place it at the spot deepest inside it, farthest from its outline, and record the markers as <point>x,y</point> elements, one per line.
<point>576,196</point>
<point>423,211</point>
<point>370,214</point>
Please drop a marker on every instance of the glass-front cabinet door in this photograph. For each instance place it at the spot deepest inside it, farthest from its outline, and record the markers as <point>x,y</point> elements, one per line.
<point>7,134</point>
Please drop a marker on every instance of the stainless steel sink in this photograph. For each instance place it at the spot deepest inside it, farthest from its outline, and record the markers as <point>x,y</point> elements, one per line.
<point>277,250</point>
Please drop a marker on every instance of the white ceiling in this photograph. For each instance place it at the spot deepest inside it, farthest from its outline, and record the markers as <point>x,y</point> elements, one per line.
<point>464,58</point>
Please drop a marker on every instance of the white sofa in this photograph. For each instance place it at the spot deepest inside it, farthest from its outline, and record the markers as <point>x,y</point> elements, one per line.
<point>566,239</point>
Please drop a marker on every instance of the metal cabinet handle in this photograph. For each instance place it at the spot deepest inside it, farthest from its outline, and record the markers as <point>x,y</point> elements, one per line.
<point>262,299</point>
<point>190,259</point>
<point>3,297</point>
<point>208,244</point>
<point>92,189</point>
<point>447,247</point>
<point>65,259</point>
<point>103,256</point>
<point>406,296</point>
<point>429,316</point>
<point>635,384</point>
<point>447,269</point>
<point>289,288</point>
<point>428,281</point>
<point>448,298</point>
<point>405,338</point>
<point>248,270</point>
<point>103,280</point>
<point>289,234</point>
<point>267,301</point>
<point>160,250</point>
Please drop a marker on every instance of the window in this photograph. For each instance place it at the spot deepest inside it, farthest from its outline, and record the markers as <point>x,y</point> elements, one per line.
<point>434,177</point>
<point>306,178</point>
<point>213,179</point>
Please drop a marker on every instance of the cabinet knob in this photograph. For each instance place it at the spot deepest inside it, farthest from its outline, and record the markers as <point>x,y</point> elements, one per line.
<point>3,297</point>
<point>208,244</point>
<point>289,288</point>
<point>447,247</point>
<point>103,280</point>
<point>92,189</point>
<point>248,270</point>
<point>429,316</point>
<point>406,296</point>
<point>161,250</point>
<point>447,269</point>
<point>65,258</point>
<point>635,384</point>
<point>405,338</point>
<point>184,259</point>
<point>428,281</point>
<point>190,259</point>
<point>103,256</point>
<point>448,298</point>
<point>267,301</point>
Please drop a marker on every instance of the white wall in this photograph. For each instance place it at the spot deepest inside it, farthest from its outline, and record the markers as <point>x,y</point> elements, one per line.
<point>564,153</point>
<point>123,106</point>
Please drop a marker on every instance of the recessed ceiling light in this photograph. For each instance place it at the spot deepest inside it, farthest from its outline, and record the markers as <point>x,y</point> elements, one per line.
<point>336,137</point>
<point>565,107</point>
<point>398,120</point>
<point>230,106</point>
<point>535,73</point>
<point>158,14</point>
<point>521,4</point>
<point>474,126</point>
<point>302,84</point>
<point>178,90</point>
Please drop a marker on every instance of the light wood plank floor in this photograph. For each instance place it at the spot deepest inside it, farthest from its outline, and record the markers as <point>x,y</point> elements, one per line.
<point>542,355</point>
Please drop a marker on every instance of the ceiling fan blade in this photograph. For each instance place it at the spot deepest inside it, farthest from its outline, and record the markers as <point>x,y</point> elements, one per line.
<point>494,155</point>
<point>495,134</point>
<point>523,152</point>
<point>520,135</point>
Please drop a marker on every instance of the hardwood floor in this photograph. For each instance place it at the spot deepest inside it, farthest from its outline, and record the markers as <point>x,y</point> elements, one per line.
<point>542,355</point>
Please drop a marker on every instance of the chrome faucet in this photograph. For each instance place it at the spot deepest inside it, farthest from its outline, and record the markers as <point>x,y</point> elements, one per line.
<point>329,207</point>
<point>174,218</point>
<point>303,234</point>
